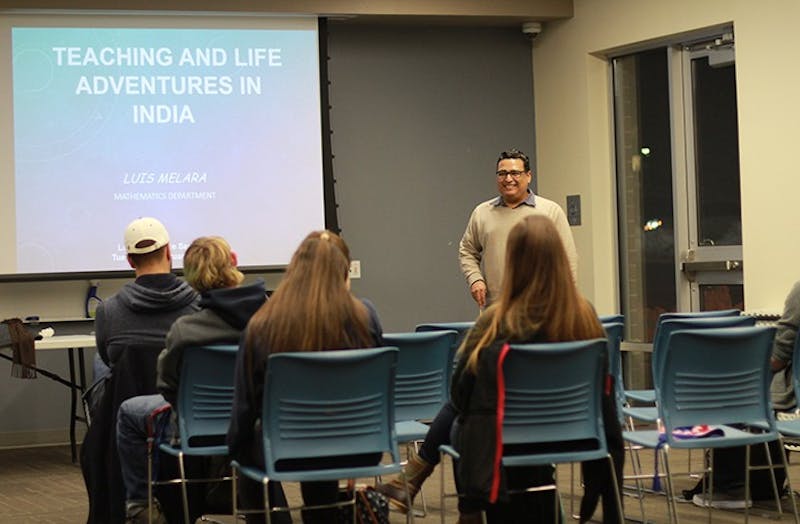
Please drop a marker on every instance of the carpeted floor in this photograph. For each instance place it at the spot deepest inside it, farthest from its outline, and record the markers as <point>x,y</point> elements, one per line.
<point>41,485</point>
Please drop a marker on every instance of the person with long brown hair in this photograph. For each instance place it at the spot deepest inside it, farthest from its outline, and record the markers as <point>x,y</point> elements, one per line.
<point>538,302</point>
<point>311,310</point>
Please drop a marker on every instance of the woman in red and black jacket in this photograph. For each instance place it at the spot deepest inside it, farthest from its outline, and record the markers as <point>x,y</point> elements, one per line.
<point>539,302</point>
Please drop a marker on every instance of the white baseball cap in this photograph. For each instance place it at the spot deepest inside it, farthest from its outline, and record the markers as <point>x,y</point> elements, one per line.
<point>145,235</point>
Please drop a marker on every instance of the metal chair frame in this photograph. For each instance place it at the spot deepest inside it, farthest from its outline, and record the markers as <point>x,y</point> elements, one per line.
<point>349,407</point>
<point>205,398</point>
<point>553,394</point>
<point>716,377</point>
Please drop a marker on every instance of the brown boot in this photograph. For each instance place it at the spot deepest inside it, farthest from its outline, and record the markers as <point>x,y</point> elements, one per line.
<point>416,471</point>
<point>470,518</point>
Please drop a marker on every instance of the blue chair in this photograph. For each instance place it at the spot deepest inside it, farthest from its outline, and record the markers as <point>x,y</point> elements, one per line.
<point>648,395</point>
<point>462,328</point>
<point>553,395</point>
<point>700,314</point>
<point>666,327</point>
<point>614,333</point>
<point>324,404</point>
<point>617,318</point>
<point>205,397</point>
<point>422,384</point>
<point>717,377</point>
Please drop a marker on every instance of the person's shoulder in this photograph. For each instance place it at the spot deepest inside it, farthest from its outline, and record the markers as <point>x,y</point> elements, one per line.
<point>545,203</point>
<point>202,316</point>
<point>794,293</point>
<point>113,302</point>
<point>484,207</point>
<point>488,204</point>
<point>371,309</point>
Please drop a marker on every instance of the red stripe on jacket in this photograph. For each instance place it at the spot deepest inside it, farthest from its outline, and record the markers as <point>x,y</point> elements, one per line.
<point>501,403</point>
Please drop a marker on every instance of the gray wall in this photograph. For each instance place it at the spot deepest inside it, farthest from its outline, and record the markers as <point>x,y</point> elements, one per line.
<point>419,116</point>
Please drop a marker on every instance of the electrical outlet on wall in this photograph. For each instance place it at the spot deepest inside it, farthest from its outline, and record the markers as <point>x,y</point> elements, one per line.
<point>574,210</point>
<point>355,269</point>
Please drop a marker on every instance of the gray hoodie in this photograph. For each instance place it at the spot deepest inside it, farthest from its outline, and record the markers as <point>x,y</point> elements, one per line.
<point>782,389</point>
<point>142,313</point>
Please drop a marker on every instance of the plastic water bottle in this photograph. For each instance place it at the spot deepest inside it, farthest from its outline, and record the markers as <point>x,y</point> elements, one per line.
<point>92,300</point>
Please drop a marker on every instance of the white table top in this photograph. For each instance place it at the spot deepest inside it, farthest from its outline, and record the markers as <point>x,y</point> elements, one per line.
<point>66,342</point>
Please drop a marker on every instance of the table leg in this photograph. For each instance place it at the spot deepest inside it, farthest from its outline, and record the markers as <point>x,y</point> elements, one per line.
<point>82,369</point>
<point>74,404</point>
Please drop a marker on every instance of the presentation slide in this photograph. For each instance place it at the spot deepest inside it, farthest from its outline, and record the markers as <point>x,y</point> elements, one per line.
<point>214,130</point>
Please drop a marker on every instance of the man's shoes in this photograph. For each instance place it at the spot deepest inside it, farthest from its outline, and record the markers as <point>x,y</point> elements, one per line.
<point>136,513</point>
<point>721,500</point>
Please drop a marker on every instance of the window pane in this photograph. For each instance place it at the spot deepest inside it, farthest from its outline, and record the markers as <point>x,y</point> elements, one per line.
<point>719,207</point>
<point>644,177</point>
<point>717,297</point>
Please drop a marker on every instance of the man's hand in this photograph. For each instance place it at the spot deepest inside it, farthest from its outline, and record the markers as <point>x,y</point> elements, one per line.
<point>775,364</point>
<point>478,291</point>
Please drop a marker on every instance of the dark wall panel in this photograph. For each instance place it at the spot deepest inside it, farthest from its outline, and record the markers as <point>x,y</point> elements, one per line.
<point>418,118</point>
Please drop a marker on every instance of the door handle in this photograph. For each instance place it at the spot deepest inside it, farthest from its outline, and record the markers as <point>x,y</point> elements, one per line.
<point>712,265</point>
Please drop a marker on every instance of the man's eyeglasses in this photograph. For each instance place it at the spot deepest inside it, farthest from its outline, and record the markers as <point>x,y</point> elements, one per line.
<point>514,174</point>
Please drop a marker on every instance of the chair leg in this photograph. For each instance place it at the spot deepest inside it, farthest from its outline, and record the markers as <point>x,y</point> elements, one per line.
<point>267,511</point>
<point>441,487</point>
<point>234,496</point>
<point>672,507</point>
<point>773,479</point>
<point>572,490</point>
<point>788,481</point>
<point>421,490</point>
<point>353,492</point>
<point>636,466</point>
<point>617,493</point>
<point>747,483</point>
<point>710,486</point>
<point>149,481</point>
<point>184,492</point>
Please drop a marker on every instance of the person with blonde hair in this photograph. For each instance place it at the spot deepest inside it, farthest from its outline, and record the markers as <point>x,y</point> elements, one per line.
<point>209,266</point>
<point>538,302</point>
<point>311,310</point>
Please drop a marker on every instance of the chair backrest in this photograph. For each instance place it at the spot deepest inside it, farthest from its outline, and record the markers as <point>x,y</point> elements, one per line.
<point>663,317</point>
<point>617,318</point>
<point>205,394</point>
<point>699,314</point>
<point>553,392</point>
<point>614,332</point>
<point>717,376</point>
<point>329,404</point>
<point>674,324</point>
<point>459,327</point>
<point>424,363</point>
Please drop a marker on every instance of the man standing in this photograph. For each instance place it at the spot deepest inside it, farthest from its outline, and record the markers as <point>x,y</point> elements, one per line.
<point>484,240</point>
<point>143,310</point>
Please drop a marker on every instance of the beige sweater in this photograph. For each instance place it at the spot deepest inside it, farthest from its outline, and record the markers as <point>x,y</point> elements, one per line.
<point>484,240</point>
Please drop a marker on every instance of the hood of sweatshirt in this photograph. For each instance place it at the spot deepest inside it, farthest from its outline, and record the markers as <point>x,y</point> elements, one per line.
<point>164,292</point>
<point>235,305</point>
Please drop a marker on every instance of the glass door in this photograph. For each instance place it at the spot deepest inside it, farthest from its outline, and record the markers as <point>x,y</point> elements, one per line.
<point>711,261</point>
<point>678,194</point>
